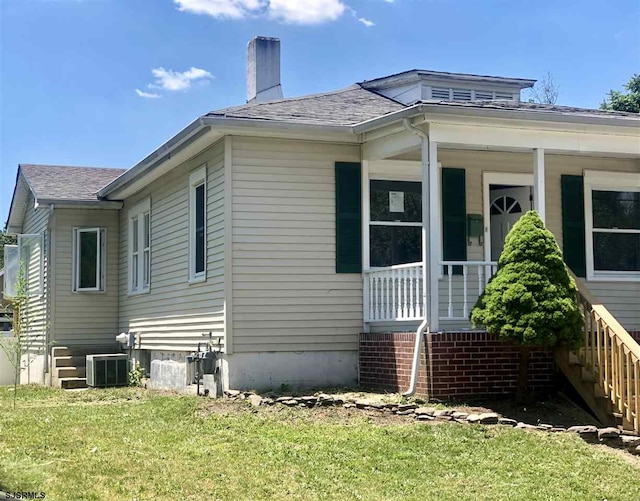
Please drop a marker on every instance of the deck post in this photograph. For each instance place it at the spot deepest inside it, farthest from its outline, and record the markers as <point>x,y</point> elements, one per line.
<point>434,248</point>
<point>538,183</point>
<point>366,298</point>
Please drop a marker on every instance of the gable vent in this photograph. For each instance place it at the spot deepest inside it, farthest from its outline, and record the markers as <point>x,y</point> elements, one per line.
<point>461,95</point>
<point>440,93</point>
<point>504,95</point>
<point>484,95</point>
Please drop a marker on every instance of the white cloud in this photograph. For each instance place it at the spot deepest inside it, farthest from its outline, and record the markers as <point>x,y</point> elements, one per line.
<point>286,11</point>
<point>149,95</point>
<point>366,22</point>
<point>389,1</point>
<point>176,80</point>
<point>232,9</point>
<point>306,11</point>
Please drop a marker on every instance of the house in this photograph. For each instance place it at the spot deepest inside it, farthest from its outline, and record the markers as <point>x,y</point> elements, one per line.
<point>296,230</point>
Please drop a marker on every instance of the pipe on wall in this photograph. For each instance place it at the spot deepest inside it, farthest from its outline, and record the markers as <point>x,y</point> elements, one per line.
<point>426,241</point>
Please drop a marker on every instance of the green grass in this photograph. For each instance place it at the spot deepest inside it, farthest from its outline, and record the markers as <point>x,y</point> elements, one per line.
<point>133,444</point>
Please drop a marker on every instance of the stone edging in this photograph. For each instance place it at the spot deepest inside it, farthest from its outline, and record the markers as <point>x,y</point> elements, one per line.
<point>613,437</point>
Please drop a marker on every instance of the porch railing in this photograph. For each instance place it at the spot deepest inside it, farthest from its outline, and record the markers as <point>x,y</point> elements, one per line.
<point>465,278</point>
<point>394,293</point>
<point>613,356</point>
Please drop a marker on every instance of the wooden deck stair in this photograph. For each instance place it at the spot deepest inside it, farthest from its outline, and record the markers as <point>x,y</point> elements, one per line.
<point>69,364</point>
<point>606,370</point>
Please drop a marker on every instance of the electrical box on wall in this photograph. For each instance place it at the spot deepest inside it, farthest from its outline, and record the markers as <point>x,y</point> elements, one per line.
<point>475,227</point>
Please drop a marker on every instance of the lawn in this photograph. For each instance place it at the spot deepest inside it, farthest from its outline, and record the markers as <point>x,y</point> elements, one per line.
<point>135,444</point>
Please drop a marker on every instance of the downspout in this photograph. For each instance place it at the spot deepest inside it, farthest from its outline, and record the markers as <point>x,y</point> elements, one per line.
<point>47,295</point>
<point>426,239</point>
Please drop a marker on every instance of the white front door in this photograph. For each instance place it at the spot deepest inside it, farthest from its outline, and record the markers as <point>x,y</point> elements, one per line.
<point>507,205</point>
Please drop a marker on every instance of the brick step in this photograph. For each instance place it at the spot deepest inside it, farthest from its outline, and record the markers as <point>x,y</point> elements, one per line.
<point>69,361</point>
<point>71,371</point>
<point>69,383</point>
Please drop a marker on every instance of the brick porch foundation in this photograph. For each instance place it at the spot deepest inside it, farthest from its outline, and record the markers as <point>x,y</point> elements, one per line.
<point>465,364</point>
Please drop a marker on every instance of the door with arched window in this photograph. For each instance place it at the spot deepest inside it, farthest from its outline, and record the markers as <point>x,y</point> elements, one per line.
<point>507,205</point>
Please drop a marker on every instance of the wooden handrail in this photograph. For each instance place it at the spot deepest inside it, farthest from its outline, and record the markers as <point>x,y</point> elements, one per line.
<point>612,355</point>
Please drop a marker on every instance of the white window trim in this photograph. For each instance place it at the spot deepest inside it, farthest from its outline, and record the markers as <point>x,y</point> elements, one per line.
<point>196,179</point>
<point>138,212</point>
<point>40,288</point>
<point>100,258</point>
<point>605,181</point>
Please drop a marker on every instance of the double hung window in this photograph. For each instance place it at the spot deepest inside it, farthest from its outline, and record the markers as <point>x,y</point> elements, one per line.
<point>395,223</point>
<point>612,217</point>
<point>89,259</point>
<point>140,248</point>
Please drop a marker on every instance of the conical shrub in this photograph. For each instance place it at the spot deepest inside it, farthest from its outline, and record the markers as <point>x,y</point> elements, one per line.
<point>531,300</point>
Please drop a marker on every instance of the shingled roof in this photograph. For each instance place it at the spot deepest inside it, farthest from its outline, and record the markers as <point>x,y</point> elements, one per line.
<point>343,107</point>
<point>58,182</point>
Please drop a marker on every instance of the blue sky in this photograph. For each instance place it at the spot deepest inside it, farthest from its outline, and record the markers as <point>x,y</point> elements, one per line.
<point>104,82</point>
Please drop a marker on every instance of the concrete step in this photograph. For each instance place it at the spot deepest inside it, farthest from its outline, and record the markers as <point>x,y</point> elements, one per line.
<point>65,351</point>
<point>61,351</point>
<point>68,383</point>
<point>70,361</point>
<point>71,371</point>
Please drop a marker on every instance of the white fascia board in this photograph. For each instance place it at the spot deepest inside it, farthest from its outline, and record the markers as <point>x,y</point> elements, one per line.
<point>204,132</point>
<point>283,130</point>
<point>163,152</point>
<point>164,164</point>
<point>530,138</point>
<point>439,112</point>
<point>78,204</point>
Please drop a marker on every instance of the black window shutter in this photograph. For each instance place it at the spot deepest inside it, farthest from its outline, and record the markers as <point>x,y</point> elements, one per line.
<point>348,217</point>
<point>573,241</point>
<point>454,217</point>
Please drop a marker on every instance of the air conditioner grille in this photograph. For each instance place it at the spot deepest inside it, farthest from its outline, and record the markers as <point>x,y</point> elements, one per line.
<point>108,370</point>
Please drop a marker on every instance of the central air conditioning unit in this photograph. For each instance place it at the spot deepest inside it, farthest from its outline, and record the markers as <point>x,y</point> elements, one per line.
<point>108,370</point>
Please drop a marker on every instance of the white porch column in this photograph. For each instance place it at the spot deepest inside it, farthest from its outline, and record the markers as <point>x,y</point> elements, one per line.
<point>365,246</point>
<point>538,183</point>
<point>435,241</point>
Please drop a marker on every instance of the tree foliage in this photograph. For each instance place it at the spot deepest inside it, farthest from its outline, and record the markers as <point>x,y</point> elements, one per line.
<point>5,240</point>
<point>531,300</point>
<point>619,101</point>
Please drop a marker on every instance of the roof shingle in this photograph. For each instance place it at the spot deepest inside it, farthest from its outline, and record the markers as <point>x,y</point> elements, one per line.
<point>343,107</point>
<point>58,182</point>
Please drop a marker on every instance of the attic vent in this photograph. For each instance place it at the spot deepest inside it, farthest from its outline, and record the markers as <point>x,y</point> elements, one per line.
<point>504,95</point>
<point>484,95</point>
<point>461,95</point>
<point>440,93</point>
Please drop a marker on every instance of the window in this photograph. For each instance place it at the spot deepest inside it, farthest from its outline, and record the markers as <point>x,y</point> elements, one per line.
<point>612,220</point>
<point>197,226</point>
<point>395,223</point>
<point>88,259</point>
<point>140,248</point>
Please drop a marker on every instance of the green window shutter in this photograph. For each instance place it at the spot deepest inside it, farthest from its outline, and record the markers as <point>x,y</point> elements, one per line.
<point>454,217</point>
<point>573,241</point>
<point>348,217</point>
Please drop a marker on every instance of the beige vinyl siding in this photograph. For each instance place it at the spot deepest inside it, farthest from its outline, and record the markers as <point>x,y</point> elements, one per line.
<point>286,293</point>
<point>85,318</point>
<point>36,222</point>
<point>621,298</point>
<point>174,315</point>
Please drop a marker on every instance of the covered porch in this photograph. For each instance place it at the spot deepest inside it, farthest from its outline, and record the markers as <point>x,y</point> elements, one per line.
<point>479,176</point>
